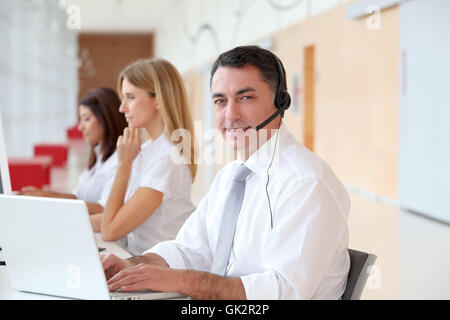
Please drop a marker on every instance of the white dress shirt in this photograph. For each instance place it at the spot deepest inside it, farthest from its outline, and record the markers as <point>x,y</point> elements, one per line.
<point>303,256</point>
<point>93,183</point>
<point>153,168</point>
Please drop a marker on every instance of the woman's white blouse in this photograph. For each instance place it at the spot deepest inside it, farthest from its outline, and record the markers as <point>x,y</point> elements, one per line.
<point>94,183</point>
<point>154,168</point>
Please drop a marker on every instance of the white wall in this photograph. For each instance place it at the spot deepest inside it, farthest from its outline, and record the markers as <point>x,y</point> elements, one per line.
<point>424,128</point>
<point>38,73</point>
<point>194,32</point>
<point>38,63</point>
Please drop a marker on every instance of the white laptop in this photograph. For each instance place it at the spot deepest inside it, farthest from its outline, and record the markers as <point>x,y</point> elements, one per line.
<point>5,181</point>
<point>49,248</point>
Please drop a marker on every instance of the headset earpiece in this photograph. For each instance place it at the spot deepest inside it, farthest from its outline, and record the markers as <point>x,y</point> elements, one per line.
<point>283,101</point>
<point>282,97</point>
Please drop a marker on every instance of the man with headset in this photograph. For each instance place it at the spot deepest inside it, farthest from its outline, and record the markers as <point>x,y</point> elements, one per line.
<point>274,222</point>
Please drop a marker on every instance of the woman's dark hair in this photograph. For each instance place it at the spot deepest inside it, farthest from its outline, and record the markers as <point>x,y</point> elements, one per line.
<point>104,104</point>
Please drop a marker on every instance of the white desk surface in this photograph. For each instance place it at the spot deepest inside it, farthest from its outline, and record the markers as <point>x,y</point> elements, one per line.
<point>7,293</point>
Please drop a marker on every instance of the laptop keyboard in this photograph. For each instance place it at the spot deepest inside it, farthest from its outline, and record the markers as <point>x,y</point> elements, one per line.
<point>146,295</point>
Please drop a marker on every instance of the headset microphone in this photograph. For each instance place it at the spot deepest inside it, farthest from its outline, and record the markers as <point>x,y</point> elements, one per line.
<point>268,120</point>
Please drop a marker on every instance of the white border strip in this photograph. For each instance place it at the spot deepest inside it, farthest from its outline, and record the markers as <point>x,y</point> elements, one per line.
<point>4,169</point>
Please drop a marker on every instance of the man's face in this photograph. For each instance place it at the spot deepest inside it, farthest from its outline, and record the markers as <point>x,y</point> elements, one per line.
<point>242,100</point>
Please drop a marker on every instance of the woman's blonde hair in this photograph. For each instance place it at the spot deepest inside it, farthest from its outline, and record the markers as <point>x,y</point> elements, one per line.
<point>162,80</point>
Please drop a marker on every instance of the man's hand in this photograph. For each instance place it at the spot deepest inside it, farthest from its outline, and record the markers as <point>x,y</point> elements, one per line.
<point>112,264</point>
<point>147,277</point>
<point>151,272</point>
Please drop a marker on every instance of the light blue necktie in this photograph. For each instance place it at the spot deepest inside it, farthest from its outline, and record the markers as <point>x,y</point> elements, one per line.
<point>230,215</point>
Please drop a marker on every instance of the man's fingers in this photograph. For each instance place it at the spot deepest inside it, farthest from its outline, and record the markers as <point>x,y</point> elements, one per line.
<point>109,273</point>
<point>109,261</point>
<point>117,277</point>
<point>110,265</point>
<point>140,269</point>
<point>137,286</point>
<point>127,279</point>
<point>121,274</point>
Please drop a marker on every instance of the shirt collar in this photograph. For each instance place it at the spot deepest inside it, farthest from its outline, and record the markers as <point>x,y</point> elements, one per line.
<point>98,153</point>
<point>161,143</point>
<point>98,150</point>
<point>268,153</point>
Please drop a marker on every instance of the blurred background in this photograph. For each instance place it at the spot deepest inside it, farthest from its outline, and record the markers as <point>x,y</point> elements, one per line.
<point>370,88</point>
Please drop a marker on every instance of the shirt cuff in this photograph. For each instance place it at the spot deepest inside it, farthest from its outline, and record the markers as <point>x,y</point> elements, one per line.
<point>169,252</point>
<point>261,286</point>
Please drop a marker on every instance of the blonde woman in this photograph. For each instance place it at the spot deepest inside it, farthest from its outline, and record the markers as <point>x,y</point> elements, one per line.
<point>150,194</point>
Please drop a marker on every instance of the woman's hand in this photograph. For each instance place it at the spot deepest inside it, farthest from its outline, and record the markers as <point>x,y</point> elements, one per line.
<point>128,146</point>
<point>36,192</point>
<point>32,191</point>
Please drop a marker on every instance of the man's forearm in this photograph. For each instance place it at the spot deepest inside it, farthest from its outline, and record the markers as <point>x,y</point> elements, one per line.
<point>204,285</point>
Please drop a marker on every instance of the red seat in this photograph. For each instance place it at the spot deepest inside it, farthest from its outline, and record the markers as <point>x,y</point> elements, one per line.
<point>74,133</point>
<point>58,152</point>
<point>29,172</point>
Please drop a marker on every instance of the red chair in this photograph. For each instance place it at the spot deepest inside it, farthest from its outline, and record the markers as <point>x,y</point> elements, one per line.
<point>74,133</point>
<point>58,152</point>
<point>29,172</point>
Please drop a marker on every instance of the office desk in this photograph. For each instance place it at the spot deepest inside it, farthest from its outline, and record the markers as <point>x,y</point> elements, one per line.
<point>7,293</point>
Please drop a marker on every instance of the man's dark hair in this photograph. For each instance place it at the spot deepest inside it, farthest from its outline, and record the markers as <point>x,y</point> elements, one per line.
<point>263,59</point>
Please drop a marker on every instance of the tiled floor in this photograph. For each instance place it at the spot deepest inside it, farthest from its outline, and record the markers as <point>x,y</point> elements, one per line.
<point>413,252</point>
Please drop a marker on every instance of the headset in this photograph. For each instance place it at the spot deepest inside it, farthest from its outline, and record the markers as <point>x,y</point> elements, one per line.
<point>282,102</point>
<point>282,99</point>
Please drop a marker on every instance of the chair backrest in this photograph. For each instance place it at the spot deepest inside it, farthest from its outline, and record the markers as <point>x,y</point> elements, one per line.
<point>358,273</point>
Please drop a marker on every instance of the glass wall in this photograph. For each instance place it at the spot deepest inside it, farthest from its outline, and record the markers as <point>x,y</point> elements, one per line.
<point>38,72</point>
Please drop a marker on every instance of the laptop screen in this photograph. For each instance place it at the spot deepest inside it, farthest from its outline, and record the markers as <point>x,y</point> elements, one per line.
<point>5,182</point>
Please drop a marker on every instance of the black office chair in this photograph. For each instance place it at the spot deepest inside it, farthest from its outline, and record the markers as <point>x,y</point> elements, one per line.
<point>358,273</point>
